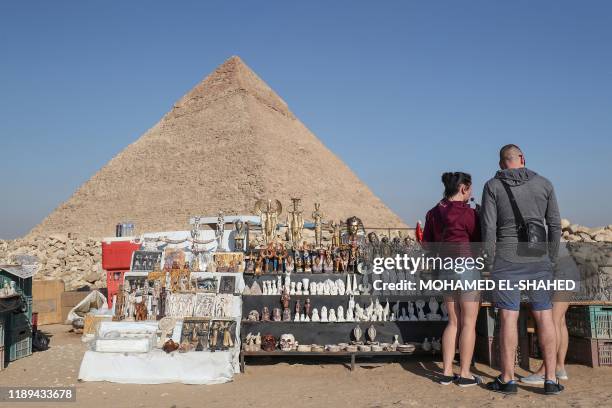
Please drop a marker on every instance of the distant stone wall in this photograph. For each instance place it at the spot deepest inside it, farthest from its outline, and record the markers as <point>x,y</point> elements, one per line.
<point>75,260</point>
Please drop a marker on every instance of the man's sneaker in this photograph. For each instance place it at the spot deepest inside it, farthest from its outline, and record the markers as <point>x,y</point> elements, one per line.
<point>498,385</point>
<point>448,379</point>
<point>535,379</point>
<point>552,388</point>
<point>468,382</point>
<point>562,375</point>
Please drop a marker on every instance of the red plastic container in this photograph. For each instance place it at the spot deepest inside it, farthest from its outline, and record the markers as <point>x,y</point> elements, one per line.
<point>117,255</point>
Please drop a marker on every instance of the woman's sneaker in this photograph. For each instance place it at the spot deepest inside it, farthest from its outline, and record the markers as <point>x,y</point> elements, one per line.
<point>552,388</point>
<point>498,385</point>
<point>534,379</point>
<point>562,375</point>
<point>448,379</point>
<point>468,382</point>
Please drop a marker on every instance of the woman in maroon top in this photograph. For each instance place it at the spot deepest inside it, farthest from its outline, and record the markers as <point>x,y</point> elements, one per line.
<point>452,220</point>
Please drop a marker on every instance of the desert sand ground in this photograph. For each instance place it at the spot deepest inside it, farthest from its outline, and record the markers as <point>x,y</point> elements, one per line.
<point>307,384</point>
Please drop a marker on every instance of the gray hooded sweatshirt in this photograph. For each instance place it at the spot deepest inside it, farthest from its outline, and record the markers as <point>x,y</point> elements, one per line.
<point>535,197</point>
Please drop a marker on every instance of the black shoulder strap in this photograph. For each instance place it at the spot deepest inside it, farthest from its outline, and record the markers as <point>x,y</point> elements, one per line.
<point>520,221</point>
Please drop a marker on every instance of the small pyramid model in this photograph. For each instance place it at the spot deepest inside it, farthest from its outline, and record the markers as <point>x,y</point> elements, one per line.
<point>228,142</point>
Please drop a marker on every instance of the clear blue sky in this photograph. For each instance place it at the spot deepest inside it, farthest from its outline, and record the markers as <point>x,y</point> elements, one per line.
<point>401,90</point>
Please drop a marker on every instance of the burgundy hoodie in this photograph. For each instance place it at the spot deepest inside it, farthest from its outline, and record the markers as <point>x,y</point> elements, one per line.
<point>451,221</point>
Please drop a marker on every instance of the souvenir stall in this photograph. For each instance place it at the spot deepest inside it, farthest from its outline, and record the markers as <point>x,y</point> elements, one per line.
<point>175,316</point>
<point>310,292</point>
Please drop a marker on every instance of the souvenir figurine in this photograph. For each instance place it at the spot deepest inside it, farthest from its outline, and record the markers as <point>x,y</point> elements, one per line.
<point>444,312</point>
<point>299,264</point>
<point>335,230</point>
<point>298,309</point>
<point>277,314</point>
<point>340,314</point>
<point>371,333</point>
<point>253,316</point>
<point>420,304</point>
<point>305,282</point>
<point>357,334</point>
<point>289,265</point>
<point>119,304</point>
<point>324,315</point>
<point>313,288</point>
<point>435,344</point>
<point>386,311</point>
<point>265,314</point>
<point>317,216</point>
<point>287,342</point>
<point>307,306</point>
<point>239,235</point>
<point>411,316</point>
<point>298,288</point>
<point>307,260</point>
<point>317,267</point>
<point>315,315</point>
<point>296,222</point>
<point>268,343</point>
<point>426,345</point>
<point>268,212</point>
<point>332,315</point>
<point>286,315</point>
<point>328,264</point>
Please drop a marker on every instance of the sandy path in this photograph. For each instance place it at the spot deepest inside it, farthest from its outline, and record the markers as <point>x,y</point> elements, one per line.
<point>298,385</point>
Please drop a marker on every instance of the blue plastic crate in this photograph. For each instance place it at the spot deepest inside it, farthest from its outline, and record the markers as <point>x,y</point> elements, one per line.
<point>590,321</point>
<point>20,342</point>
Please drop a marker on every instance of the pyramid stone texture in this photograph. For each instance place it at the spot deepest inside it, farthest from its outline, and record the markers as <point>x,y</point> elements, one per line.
<point>230,141</point>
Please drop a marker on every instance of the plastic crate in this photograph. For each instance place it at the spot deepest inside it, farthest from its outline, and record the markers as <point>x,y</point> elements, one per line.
<point>592,352</point>
<point>604,351</point>
<point>2,329</point>
<point>487,350</point>
<point>117,255</point>
<point>22,285</point>
<point>20,342</point>
<point>590,321</point>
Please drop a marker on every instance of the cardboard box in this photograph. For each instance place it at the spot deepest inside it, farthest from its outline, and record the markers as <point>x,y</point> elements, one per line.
<point>70,300</point>
<point>47,300</point>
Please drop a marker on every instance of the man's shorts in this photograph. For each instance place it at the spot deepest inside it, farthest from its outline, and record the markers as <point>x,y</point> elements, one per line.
<point>513,273</point>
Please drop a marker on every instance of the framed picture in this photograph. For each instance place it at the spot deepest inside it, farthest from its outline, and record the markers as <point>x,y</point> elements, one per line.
<point>194,334</point>
<point>204,305</point>
<point>227,284</point>
<point>222,335</point>
<point>174,258</point>
<point>146,261</point>
<point>207,285</point>
<point>229,261</point>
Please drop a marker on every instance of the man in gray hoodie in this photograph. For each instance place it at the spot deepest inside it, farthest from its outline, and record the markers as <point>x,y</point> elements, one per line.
<point>535,198</point>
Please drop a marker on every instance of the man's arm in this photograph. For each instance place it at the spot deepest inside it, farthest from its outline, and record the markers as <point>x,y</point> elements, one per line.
<point>488,215</point>
<point>488,223</point>
<point>553,221</point>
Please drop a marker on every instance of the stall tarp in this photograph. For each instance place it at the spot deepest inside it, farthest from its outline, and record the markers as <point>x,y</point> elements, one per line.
<point>95,300</point>
<point>158,367</point>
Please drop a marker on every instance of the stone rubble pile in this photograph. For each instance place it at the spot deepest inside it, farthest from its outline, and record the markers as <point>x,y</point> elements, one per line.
<point>580,233</point>
<point>75,260</point>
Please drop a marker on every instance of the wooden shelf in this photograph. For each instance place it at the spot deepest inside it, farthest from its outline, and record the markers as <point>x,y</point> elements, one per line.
<point>325,354</point>
<point>355,322</point>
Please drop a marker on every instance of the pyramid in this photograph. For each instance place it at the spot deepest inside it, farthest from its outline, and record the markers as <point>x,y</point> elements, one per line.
<point>228,142</point>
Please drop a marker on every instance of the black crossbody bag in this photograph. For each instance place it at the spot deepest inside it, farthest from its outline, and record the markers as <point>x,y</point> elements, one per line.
<point>532,236</point>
